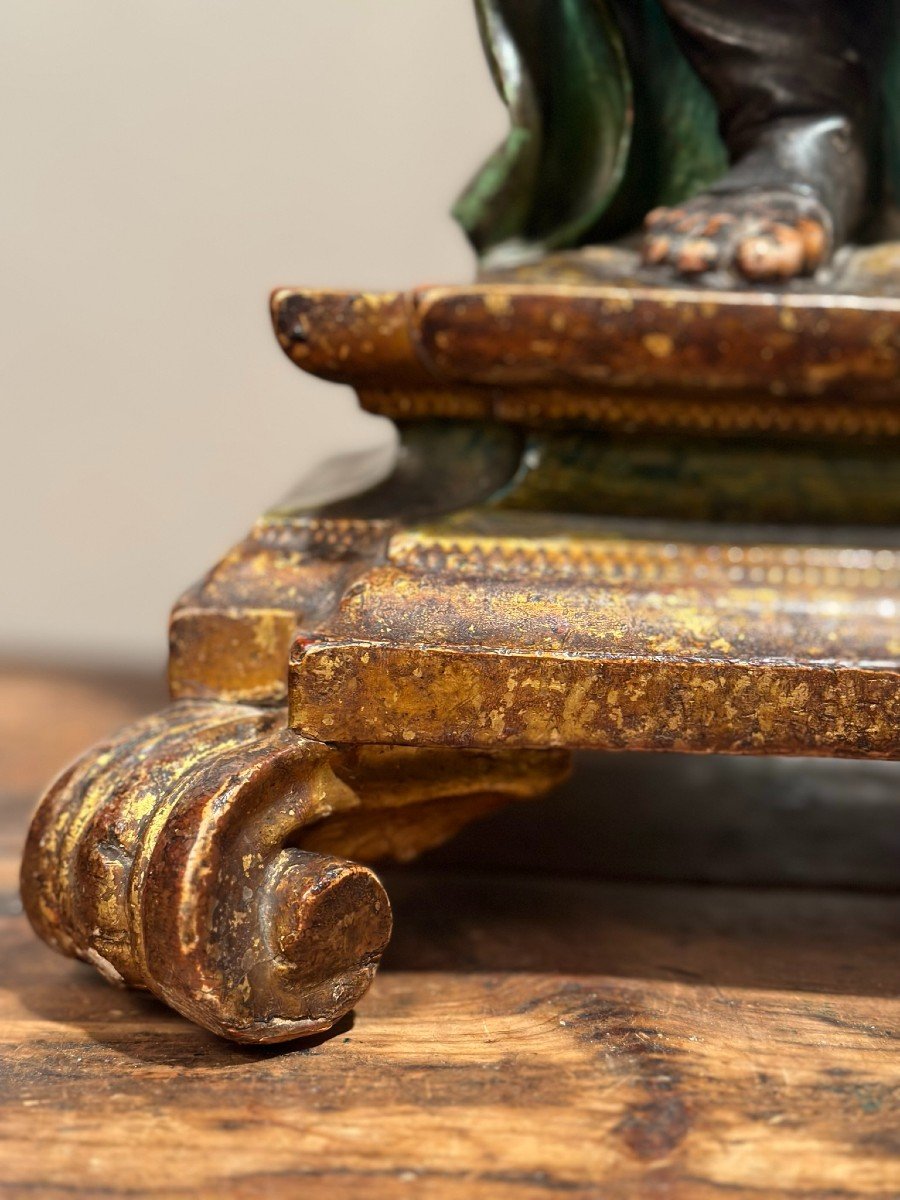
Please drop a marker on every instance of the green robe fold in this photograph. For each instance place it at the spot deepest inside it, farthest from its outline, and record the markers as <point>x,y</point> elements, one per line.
<point>594,141</point>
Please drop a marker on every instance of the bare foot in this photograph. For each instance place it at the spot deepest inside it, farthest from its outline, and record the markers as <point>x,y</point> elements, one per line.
<point>764,234</point>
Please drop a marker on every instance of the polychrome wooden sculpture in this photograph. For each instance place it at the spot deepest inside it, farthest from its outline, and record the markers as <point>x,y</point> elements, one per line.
<point>639,503</point>
<point>758,135</point>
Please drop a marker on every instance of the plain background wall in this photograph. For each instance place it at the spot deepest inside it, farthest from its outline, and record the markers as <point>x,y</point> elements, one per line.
<point>165,165</point>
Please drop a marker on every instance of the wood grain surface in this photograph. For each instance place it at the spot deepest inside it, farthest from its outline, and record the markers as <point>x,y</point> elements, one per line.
<point>533,1032</point>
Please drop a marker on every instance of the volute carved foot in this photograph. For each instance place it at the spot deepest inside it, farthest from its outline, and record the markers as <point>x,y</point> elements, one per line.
<point>201,854</point>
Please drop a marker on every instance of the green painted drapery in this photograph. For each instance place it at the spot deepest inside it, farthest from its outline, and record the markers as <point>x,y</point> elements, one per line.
<point>593,143</point>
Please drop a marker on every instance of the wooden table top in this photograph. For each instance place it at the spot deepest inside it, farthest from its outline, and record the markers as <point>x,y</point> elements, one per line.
<point>688,1000</point>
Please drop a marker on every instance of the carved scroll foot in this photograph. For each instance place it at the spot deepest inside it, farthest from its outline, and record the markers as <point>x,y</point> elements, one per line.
<point>200,854</point>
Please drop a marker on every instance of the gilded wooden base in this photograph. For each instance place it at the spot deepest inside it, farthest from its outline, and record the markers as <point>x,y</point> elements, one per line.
<point>620,518</point>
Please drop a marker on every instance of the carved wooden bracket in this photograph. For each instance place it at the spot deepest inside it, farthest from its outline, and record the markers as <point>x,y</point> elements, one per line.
<point>202,854</point>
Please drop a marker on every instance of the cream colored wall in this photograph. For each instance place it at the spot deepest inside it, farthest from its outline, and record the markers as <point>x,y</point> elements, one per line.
<point>165,165</point>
